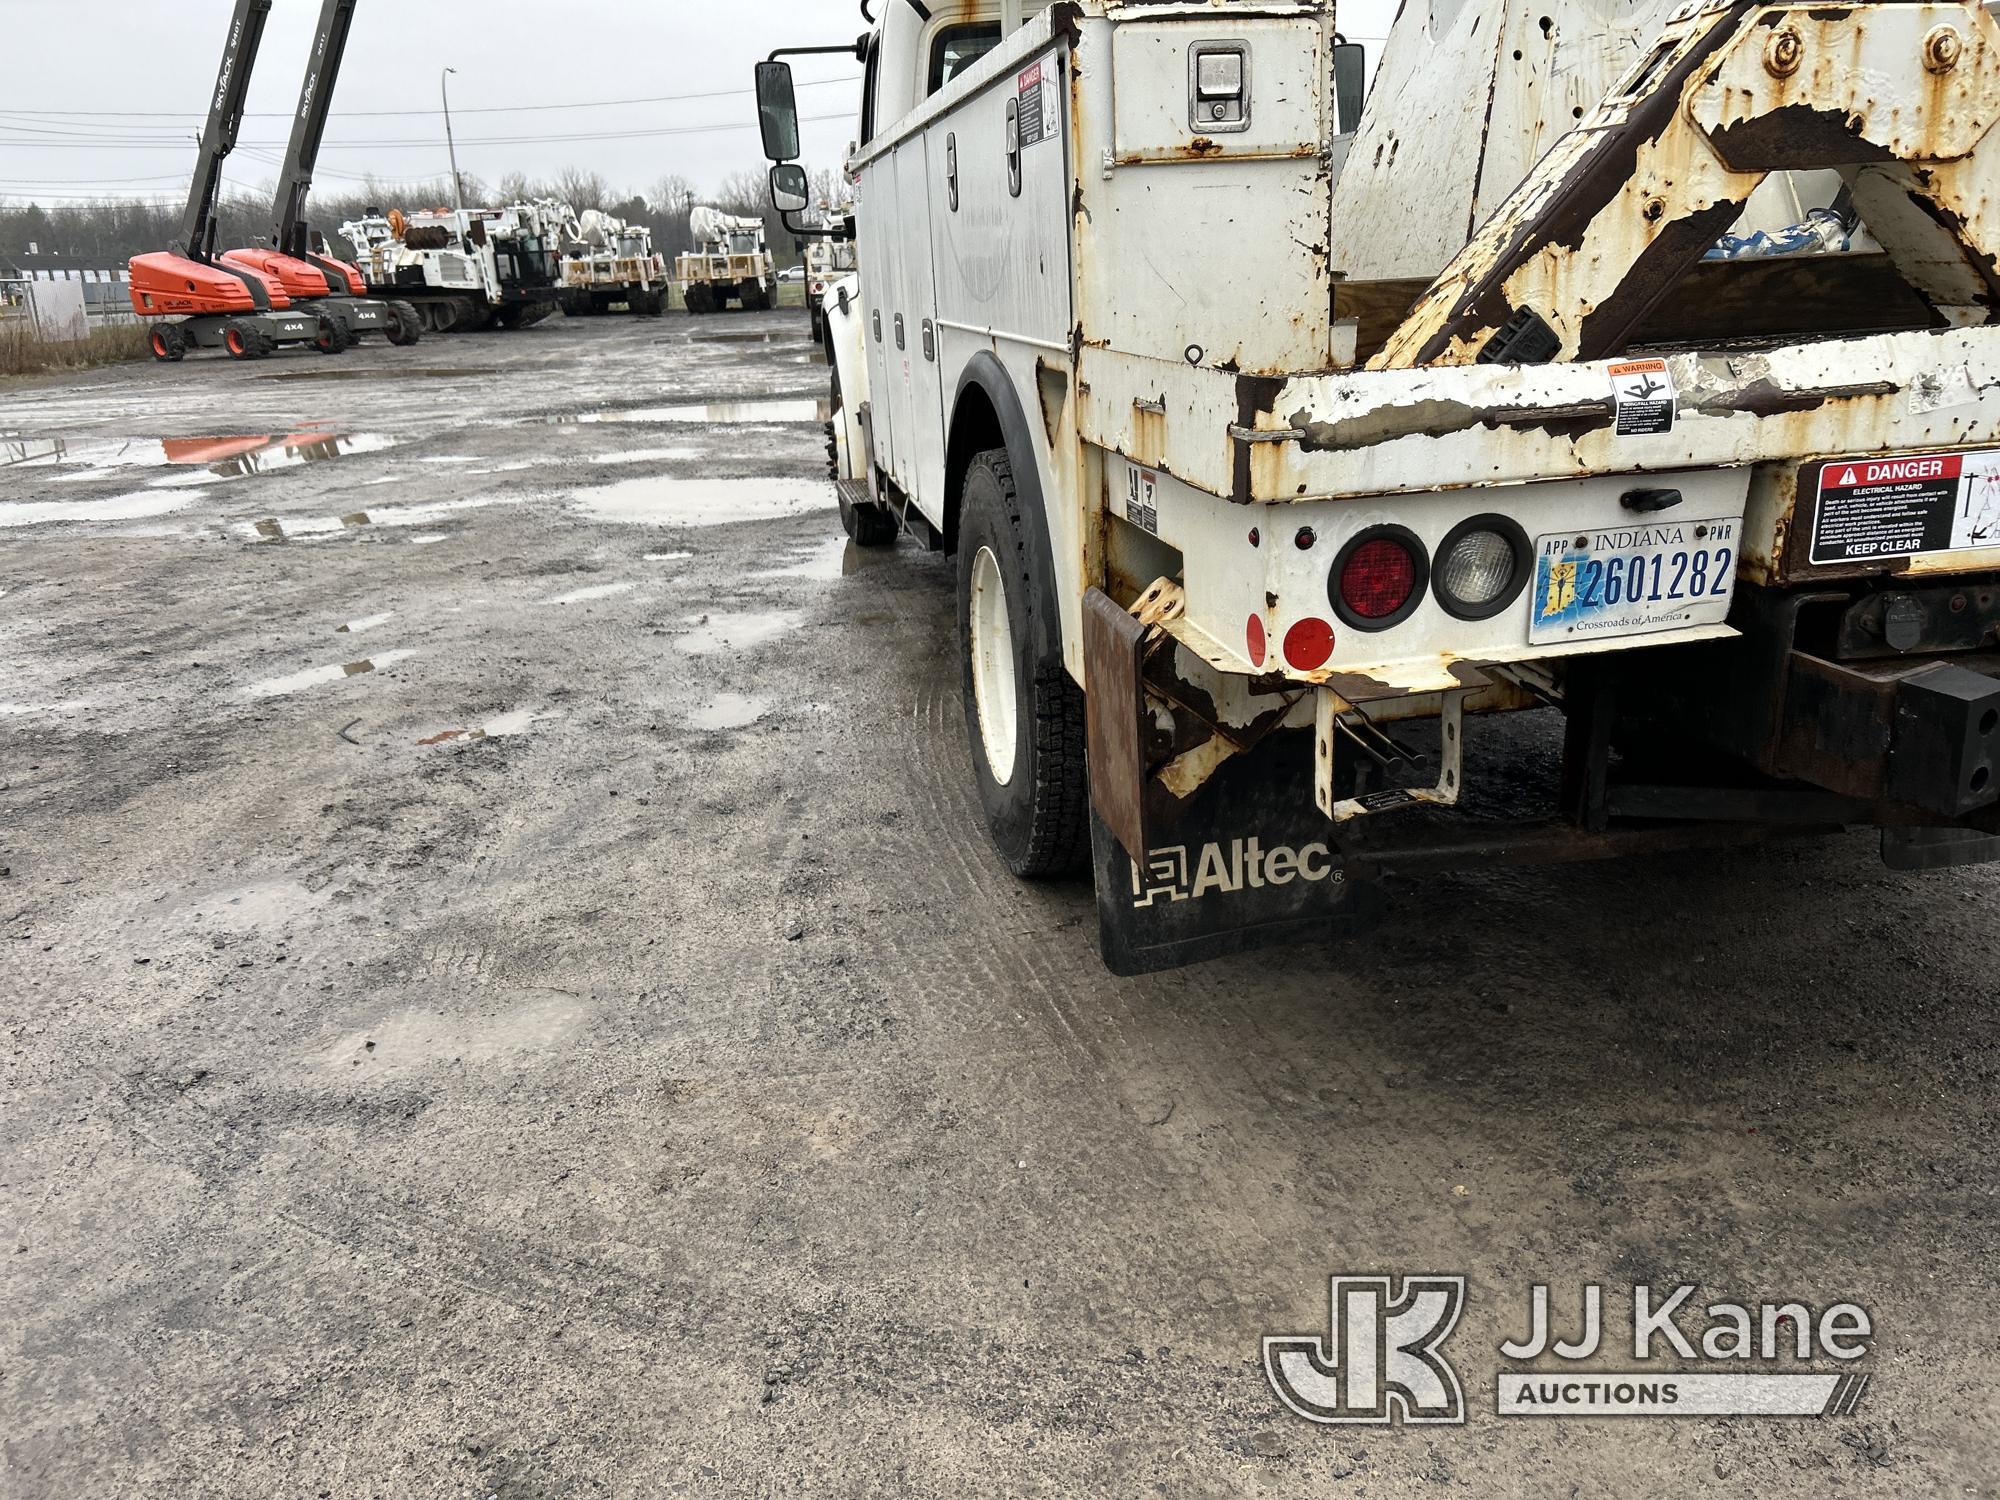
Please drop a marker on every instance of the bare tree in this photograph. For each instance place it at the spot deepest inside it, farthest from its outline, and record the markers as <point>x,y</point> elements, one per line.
<point>581,189</point>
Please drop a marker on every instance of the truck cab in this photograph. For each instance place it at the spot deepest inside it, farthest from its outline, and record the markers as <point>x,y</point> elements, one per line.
<point>1640,369</point>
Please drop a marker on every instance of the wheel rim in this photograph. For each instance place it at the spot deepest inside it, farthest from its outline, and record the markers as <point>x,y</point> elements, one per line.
<point>235,341</point>
<point>160,345</point>
<point>992,645</point>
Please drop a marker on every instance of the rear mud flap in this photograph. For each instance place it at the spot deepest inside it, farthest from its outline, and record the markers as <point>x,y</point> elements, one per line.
<point>1251,862</point>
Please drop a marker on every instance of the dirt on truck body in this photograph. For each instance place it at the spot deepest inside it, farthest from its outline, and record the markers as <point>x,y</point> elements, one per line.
<point>1644,370</point>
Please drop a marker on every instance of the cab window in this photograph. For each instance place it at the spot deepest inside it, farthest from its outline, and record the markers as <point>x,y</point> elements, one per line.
<point>956,48</point>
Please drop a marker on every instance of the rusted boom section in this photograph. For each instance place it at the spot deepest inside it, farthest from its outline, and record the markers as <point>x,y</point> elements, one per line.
<point>1900,98</point>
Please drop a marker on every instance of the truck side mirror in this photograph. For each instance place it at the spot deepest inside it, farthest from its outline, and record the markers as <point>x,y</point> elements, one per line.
<point>790,191</point>
<point>1350,84</point>
<point>778,111</point>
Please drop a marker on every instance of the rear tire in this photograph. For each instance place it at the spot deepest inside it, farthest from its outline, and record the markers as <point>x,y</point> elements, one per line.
<point>1024,714</point>
<point>169,344</point>
<point>333,336</point>
<point>404,327</point>
<point>239,340</point>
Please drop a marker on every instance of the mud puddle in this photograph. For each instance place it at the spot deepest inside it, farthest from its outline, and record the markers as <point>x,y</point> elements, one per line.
<point>516,721</point>
<point>296,682</point>
<point>708,634</point>
<point>134,507</point>
<point>303,528</point>
<point>833,559</point>
<point>392,372</point>
<point>231,456</point>
<point>729,711</point>
<point>790,409</point>
<point>16,451</point>
<point>647,456</point>
<point>704,502</point>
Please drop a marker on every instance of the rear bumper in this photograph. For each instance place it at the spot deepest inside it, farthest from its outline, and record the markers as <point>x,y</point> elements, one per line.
<point>1887,697</point>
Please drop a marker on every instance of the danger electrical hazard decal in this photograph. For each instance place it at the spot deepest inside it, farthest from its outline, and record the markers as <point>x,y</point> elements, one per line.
<point>1902,507</point>
<point>1036,86</point>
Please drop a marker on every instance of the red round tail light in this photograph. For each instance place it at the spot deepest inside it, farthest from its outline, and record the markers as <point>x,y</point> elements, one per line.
<point>1379,578</point>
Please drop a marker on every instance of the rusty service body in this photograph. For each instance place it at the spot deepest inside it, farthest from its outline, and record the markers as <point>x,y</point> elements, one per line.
<point>1641,368</point>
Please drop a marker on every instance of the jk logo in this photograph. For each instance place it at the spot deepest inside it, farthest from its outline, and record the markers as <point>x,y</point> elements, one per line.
<point>1382,1363</point>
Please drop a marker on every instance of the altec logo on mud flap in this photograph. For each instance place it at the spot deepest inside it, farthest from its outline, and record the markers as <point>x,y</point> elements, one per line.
<point>1382,1361</point>
<point>1171,875</point>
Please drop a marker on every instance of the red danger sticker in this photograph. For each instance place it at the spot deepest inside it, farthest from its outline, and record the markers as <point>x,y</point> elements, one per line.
<point>1892,471</point>
<point>1902,507</point>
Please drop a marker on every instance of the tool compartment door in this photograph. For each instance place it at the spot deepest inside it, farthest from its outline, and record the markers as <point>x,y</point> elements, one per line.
<point>919,466</point>
<point>883,246</point>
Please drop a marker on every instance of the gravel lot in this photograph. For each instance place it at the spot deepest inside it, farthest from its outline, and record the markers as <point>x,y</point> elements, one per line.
<point>506,993</point>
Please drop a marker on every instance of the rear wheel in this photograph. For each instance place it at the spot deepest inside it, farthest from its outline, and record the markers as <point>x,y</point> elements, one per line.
<point>1023,713</point>
<point>333,337</point>
<point>404,327</point>
<point>239,340</point>
<point>168,342</point>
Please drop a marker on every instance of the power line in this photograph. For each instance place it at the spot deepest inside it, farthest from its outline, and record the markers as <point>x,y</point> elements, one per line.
<point>355,114</point>
<point>95,144</point>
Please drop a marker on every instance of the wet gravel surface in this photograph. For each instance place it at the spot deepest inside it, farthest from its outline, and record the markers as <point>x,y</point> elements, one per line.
<point>505,993</point>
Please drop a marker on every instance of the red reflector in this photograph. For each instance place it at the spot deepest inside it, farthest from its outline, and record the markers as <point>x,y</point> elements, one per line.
<point>1378,579</point>
<point>1254,634</point>
<point>1308,644</point>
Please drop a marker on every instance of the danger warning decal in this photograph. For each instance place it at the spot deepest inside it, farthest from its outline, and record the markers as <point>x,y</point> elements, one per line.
<point>1037,87</point>
<point>1902,507</point>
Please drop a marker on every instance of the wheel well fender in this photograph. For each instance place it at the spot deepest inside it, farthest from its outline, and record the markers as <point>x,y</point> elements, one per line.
<point>986,412</point>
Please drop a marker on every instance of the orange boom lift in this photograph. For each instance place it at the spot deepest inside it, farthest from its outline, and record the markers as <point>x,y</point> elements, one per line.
<point>195,300</point>
<point>333,288</point>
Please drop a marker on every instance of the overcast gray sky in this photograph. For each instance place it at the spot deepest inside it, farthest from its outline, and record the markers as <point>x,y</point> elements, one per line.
<point>102,96</point>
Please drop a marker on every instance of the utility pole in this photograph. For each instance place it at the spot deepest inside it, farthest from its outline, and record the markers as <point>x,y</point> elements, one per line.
<point>457,187</point>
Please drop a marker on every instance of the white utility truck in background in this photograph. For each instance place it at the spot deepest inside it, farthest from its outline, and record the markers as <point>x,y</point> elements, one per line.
<point>827,260</point>
<point>465,268</point>
<point>607,262</point>
<point>730,262</point>
<point>1633,362</point>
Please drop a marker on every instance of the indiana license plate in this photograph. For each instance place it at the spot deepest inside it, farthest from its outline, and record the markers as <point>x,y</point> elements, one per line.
<point>1632,580</point>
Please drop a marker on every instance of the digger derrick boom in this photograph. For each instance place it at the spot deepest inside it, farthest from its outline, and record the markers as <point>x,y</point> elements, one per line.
<point>1898,98</point>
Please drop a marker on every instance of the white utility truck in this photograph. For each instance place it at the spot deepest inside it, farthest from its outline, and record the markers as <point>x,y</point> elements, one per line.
<point>607,262</point>
<point>730,262</point>
<point>827,260</point>
<point>1633,362</point>
<point>465,268</point>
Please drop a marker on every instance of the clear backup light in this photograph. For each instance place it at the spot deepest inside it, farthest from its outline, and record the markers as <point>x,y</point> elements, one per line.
<point>1482,565</point>
<point>1478,568</point>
